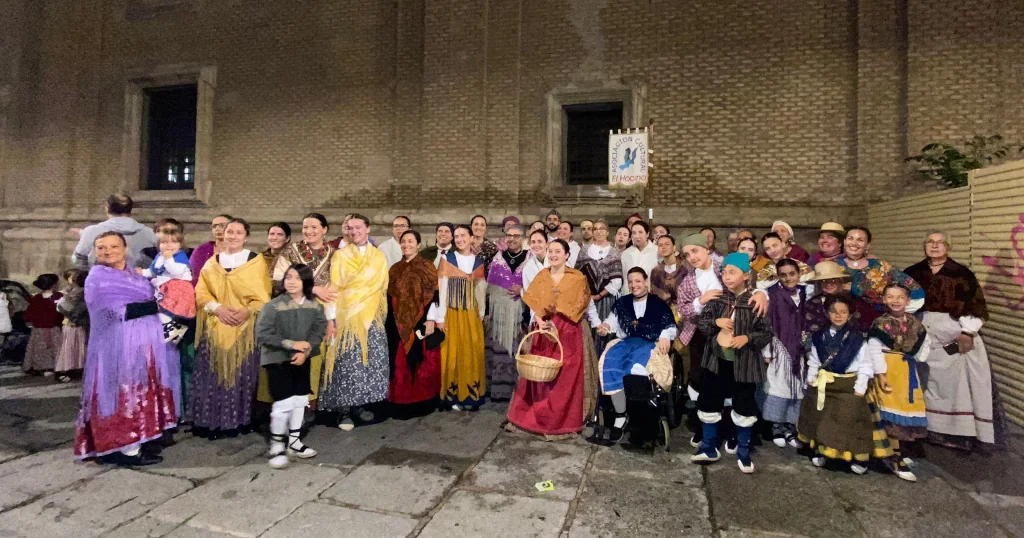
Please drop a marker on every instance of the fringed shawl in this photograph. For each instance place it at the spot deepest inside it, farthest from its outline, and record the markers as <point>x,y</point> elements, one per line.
<point>600,272</point>
<point>787,320</point>
<point>570,297</point>
<point>245,286</point>
<point>413,285</point>
<point>836,352</point>
<point>461,286</point>
<point>362,283</point>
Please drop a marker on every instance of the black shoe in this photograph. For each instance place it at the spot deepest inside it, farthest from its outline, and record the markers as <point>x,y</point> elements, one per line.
<point>141,459</point>
<point>152,448</point>
<point>615,434</point>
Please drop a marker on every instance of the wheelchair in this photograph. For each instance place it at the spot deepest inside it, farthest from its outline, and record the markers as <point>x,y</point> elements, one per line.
<point>652,411</point>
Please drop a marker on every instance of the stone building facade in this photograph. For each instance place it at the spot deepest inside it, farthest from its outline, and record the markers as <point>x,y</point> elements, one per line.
<point>439,109</point>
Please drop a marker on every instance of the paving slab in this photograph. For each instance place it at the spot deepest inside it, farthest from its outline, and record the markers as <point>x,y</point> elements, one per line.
<point>622,505</point>
<point>460,434</point>
<point>340,448</point>
<point>318,520</point>
<point>34,435</point>
<point>398,481</point>
<point>149,527</point>
<point>514,465</point>
<point>93,507</point>
<point>656,465</point>
<point>748,533</point>
<point>935,525</point>
<point>1007,510</point>
<point>39,474</point>
<point>884,492</point>
<point>249,499</point>
<point>8,453</point>
<point>490,514</point>
<point>770,498</point>
<point>199,459</point>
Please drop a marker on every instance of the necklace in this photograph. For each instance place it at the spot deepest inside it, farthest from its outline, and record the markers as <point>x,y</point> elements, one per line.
<point>855,263</point>
<point>940,264</point>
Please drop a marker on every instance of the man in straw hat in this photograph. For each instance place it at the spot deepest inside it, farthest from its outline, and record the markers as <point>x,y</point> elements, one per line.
<point>646,326</point>
<point>830,243</point>
<point>698,288</point>
<point>830,280</point>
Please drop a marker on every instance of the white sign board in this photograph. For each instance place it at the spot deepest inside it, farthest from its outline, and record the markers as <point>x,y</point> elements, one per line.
<point>627,159</point>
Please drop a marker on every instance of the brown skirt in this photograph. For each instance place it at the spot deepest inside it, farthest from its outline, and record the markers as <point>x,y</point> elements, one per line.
<point>843,429</point>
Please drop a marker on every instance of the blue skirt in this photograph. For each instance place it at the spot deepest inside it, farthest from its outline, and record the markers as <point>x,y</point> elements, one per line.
<point>619,358</point>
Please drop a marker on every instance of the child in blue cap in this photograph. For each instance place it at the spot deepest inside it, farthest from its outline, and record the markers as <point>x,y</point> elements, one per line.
<point>732,362</point>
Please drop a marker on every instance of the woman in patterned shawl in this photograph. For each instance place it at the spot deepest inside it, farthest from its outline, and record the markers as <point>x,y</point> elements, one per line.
<point>871,276</point>
<point>964,411</point>
<point>601,264</point>
<point>279,237</point>
<point>764,265</point>
<point>413,338</point>
<point>129,384</point>
<point>316,252</point>
<point>504,287</point>
<point>233,287</point>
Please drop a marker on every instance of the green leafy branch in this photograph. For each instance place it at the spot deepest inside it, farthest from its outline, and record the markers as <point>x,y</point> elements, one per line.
<point>948,164</point>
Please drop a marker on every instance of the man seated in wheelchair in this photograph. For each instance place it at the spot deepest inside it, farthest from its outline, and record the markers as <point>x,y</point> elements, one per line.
<point>646,328</point>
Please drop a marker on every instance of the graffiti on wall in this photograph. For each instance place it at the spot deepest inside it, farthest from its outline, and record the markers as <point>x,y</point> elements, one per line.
<point>1014,272</point>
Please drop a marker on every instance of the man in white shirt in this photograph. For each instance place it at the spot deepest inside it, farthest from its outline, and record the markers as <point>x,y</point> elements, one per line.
<point>565,233</point>
<point>642,253</point>
<point>390,249</point>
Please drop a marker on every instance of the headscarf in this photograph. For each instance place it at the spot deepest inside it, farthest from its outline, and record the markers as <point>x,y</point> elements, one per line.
<point>450,226</point>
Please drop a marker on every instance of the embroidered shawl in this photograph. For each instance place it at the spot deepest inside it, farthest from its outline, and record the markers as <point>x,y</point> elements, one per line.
<point>657,317</point>
<point>599,272</point>
<point>837,351</point>
<point>361,280</point>
<point>953,290</point>
<point>461,286</point>
<point>904,335</point>
<point>319,260</point>
<point>245,286</point>
<point>570,297</point>
<point>413,286</point>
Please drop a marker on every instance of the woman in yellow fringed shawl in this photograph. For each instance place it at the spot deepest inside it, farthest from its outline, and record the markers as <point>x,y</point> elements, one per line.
<point>463,298</point>
<point>233,286</point>
<point>356,369</point>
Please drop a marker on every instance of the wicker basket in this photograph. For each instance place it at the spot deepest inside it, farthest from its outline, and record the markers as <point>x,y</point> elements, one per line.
<point>536,367</point>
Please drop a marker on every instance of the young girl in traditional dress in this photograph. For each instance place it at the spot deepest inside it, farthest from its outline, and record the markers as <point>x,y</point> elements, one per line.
<point>290,330</point>
<point>42,316</point>
<point>896,342</point>
<point>784,381</point>
<point>71,357</point>
<point>171,276</point>
<point>835,419</point>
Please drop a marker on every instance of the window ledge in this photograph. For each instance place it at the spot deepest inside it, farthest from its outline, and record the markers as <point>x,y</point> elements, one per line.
<point>597,195</point>
<point>168,198</point>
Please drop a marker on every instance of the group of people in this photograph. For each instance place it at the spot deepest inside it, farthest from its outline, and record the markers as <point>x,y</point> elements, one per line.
<point>840,352</point>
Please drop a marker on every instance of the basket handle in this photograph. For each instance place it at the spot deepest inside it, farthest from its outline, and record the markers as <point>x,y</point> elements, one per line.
<point>561,352</point>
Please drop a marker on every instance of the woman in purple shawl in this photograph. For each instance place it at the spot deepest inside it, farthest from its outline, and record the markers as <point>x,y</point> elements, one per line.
<point>130,383</point>
<point>784,381</point>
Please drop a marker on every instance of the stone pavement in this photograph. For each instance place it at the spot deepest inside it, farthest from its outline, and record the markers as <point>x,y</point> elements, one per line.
<point>460,475</point>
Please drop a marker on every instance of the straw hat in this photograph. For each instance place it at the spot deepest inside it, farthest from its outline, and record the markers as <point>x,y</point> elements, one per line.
<point>833,227</point>
<point>828,270</point>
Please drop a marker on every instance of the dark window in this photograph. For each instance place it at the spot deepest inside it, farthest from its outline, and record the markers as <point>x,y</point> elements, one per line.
<point>170,149</point>
<point>586,141</point>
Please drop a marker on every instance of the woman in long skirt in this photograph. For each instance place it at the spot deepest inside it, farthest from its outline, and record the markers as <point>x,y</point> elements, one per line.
<point>558,299</point>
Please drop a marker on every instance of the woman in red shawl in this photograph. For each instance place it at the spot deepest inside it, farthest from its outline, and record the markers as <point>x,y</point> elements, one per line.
<point>413,340</point>
<point>558,298</point>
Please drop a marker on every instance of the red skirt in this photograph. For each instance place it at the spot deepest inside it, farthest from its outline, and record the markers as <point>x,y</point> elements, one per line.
<point>424,385</point>
<point>555,407</point>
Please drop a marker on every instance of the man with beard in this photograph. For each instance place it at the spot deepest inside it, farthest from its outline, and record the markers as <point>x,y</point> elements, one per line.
<point>586,232</point>
<point>504,289</point>
<point>551,222</point>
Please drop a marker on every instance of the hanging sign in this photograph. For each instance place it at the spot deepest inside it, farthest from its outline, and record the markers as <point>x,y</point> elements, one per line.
<point>627,159</point>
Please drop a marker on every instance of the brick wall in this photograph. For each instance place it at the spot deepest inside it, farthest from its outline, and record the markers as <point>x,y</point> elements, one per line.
<point>439,108</point>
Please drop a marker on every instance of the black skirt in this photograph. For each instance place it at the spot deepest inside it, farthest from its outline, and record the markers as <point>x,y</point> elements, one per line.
<point>285,380</point>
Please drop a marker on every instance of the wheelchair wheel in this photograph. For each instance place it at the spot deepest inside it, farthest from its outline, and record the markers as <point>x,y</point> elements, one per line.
<point>665,434</point>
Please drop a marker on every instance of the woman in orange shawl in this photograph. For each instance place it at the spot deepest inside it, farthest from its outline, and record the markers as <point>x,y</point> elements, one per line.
<point>413,338</point>
<point>558,298</point>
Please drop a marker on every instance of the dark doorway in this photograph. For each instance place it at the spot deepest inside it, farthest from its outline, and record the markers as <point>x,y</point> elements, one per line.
<point>586,141</point>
